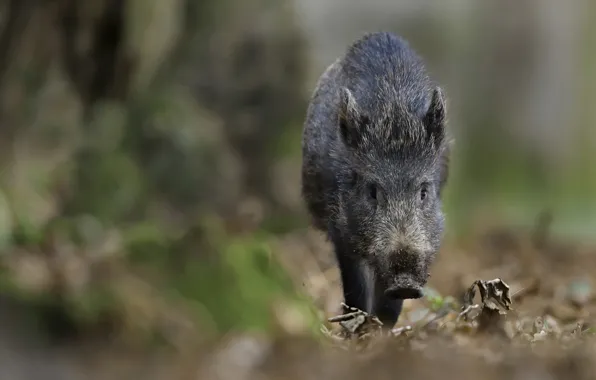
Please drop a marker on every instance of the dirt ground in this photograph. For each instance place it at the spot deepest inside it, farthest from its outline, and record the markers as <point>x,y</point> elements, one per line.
<point>543,329</point>
<point>531,316</point>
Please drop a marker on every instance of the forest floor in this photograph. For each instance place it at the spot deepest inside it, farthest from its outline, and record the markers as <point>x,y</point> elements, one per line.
<point>512,303</point>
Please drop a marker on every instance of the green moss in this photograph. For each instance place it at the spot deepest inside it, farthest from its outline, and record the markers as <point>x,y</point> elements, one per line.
<point>25,233</point>
<point>110,185</point>
<point>239,288</point>
<point>146,243</point>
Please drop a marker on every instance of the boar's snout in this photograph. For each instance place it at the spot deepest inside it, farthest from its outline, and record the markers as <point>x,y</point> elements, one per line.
<point>404,287</point>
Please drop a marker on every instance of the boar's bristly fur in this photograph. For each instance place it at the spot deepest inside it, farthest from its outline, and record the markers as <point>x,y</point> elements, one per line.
<point>375,162</point>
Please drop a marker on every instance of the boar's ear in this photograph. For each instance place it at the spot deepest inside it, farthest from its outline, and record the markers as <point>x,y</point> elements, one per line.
<point>445,159</point>
<point>434,120</point>
<point>349,119</point>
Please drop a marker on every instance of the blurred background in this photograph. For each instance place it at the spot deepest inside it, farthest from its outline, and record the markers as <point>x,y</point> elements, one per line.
<point>150,211</point>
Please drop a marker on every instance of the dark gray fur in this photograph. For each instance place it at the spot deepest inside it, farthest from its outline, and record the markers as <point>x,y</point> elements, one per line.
<point>375,160</point>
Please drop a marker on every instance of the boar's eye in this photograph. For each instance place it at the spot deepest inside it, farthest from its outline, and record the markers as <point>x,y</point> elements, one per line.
<point>424,191</point>
<point>372,191</point>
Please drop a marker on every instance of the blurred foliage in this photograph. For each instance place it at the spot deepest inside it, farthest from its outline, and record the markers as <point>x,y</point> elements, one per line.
<point>139,140</point>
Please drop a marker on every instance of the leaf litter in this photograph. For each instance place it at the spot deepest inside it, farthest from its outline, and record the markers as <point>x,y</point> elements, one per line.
<point>493,317</point>
<point>521,307</point>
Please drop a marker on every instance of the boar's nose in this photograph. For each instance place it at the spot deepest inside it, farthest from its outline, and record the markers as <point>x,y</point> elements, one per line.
<point>404,286</point>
